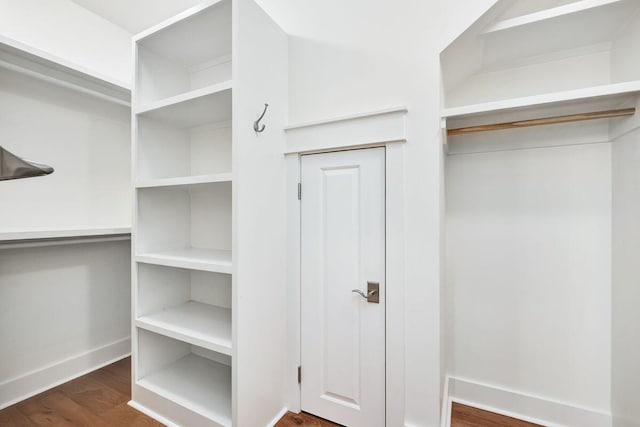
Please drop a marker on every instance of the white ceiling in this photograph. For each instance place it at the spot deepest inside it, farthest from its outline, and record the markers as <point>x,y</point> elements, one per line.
<point>136,15</point>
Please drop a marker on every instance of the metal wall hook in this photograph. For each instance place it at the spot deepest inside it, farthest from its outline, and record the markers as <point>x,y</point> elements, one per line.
<point>256,124</point>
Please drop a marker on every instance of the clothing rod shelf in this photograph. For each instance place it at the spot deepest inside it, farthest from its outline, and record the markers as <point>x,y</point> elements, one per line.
<point>543,121</point>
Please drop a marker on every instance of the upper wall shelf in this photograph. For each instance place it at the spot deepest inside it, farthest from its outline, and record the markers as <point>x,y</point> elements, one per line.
<point>605,96</point>
<point>553,54</point>
<point>567,12</point>
<point>193,35</point>
<point>579,24</point>
<point>24,59</point>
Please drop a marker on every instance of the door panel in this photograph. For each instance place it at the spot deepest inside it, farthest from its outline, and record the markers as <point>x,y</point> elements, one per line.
<point>343,248</point>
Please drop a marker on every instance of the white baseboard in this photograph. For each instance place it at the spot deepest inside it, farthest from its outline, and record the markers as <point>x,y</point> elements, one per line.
<point>277,418</point>
<point>17,389</point>
<point>523,406</point>
<point>625,422</point>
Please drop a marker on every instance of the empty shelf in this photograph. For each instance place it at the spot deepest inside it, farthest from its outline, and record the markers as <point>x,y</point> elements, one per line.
<point>575,25</point>
<point>185,181</point>
<point>566,13</point>
<point>196,383</point>
<point>184,97</point>
<point>200,324</point>
<point>209,105</point>
<point>611,94</point>
<point>216,261</point>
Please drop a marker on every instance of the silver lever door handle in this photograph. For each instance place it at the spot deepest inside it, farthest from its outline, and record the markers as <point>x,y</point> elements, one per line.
<point>363,295</point>
<point>373,292</point>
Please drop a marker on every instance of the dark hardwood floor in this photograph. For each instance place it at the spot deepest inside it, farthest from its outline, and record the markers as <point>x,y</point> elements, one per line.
<point>99,399</point>
<point>466,416</point>
<point>304,420</point>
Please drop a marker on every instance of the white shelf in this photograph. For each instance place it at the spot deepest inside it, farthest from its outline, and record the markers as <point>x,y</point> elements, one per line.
<point>215,261</point>
<point>62,233</point>
<point>186,181</point>
<point>561,12</point>
<point>199,324</point>
<point>184,97</point>
<point>196,383</point>
<point>611,94</point>
<point>38,64</point>
<point>214,107</point>
<point>576,25</point>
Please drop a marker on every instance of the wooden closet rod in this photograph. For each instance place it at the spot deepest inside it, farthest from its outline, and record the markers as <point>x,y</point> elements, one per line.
<point>545,121</point>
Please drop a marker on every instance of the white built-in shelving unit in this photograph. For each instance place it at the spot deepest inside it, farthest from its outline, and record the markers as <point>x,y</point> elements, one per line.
<point>199,263</point>
<point>540,121</point>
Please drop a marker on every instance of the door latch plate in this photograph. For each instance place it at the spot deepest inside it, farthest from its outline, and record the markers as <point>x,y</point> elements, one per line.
<point>373,292</point>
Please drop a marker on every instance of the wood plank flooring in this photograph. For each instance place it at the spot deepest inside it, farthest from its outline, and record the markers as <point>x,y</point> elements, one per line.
<point>466,416</point>
<point>305,420</point>
<point>99,399</point>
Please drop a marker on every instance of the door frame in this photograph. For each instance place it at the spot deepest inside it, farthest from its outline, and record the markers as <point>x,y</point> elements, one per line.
<point>394,270</point>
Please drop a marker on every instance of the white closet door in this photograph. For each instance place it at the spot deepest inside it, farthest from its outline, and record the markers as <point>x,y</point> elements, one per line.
<point>343,249</point>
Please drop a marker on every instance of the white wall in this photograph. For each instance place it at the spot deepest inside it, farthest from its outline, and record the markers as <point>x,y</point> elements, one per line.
<point>84,139</point>
<point>625,400</point>
<point>72,33</point>
<point>59,303</point>
<point>358,56</point>
<point>528,270</point>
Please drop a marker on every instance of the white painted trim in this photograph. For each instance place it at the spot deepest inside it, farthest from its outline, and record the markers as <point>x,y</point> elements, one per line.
<point>401,109</point>
<point>339,147</point>
<point>277,418</point>
<point>445,408</point>
<point>148,412</point>
<point>292,388</point>
<point>523,405</point>
<point>27,385</point>
<point>497,411</point>
<point>351,131</point>
<point>395,284</point>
